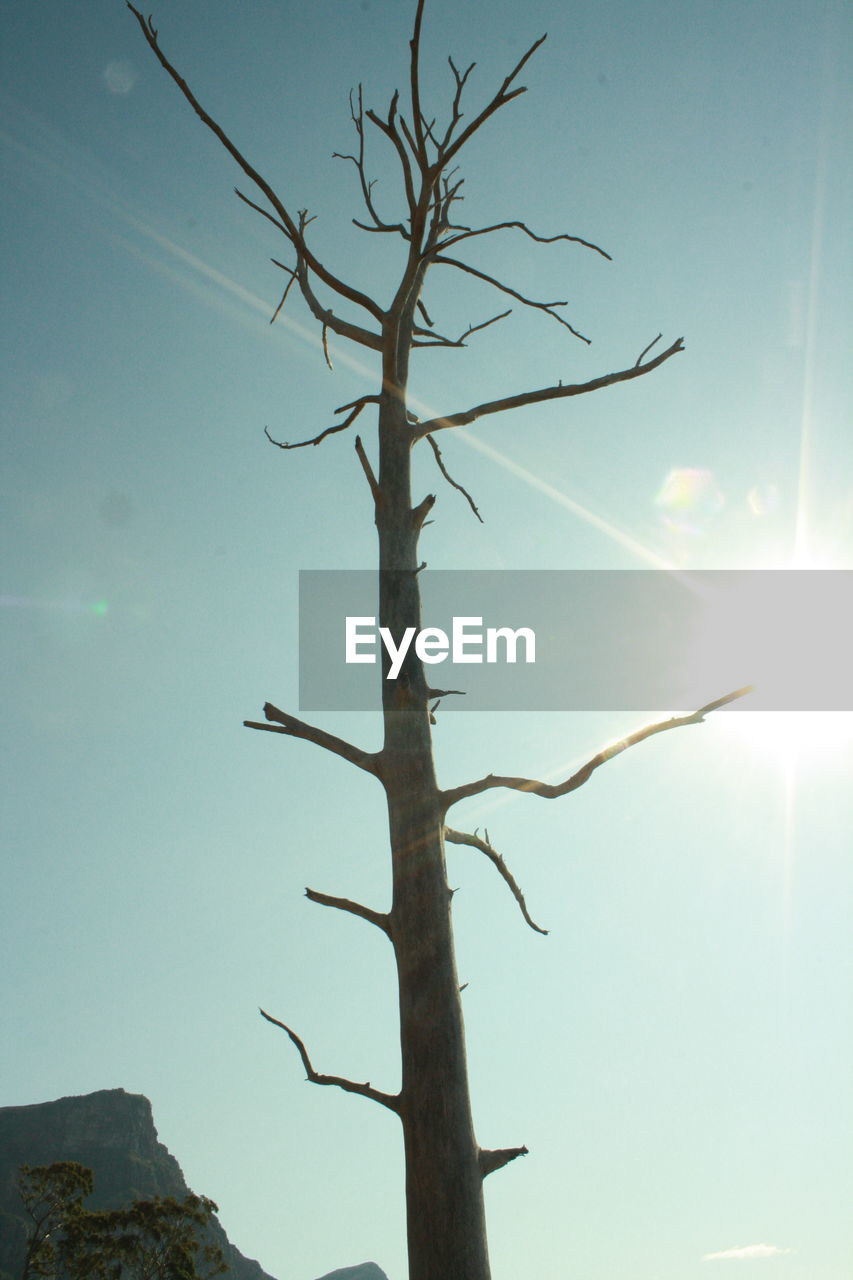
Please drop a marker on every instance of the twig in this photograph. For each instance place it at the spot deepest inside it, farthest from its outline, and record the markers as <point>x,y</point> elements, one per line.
<point>439,340</point>
<point>468,234</point>
<point>358,161</point>
<point>287,288</point>
<point>485,846</point>
<point>355,405</point>
<point>546,307</point>
<point>449,478</point>
<point>500,99</point>
<point>456,114</point>
<point>389,128</point>
<point>368,471</point>
<point>645,351</point>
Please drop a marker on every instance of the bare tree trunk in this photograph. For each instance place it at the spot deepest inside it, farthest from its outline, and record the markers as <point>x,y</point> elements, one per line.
<point>444,1183</point>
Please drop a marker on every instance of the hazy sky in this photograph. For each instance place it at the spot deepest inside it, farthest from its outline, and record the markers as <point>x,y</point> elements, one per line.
<point>677,1052</point>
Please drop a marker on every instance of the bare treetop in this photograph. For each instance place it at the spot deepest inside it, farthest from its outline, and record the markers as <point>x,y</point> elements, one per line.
<point>427,152</point>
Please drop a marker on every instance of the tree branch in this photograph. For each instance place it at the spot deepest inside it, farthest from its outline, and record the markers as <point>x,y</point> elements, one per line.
<point>379,918</point>
<point>366,186</point>
<point>438,339</point>
<point>422,510</point>
<point>391,1101</point>
<point>418,144</point>
<point>645,351</point>
<point>287,289</point>
<point>355,405</point>
<point>389,128</point>
<point>546,393</point>
<point>485,846</point>
<point>343,328</point>
<point>456,113</point>
<point>492,1160</point>
<point>500,99</point>
<point>369,761</point>
<point>551,791</point>
<point>449,478</point>
<point>547,307</point>
<point>368,471</point>
<point>289,226</point>
<point>265,213</point>
<point>522,226</point>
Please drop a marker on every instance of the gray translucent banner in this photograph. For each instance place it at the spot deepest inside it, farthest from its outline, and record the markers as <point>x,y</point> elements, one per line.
<point>574,640</point>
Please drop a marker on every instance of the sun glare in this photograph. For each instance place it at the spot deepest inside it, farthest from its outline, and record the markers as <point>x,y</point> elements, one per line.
<point>796,740</point>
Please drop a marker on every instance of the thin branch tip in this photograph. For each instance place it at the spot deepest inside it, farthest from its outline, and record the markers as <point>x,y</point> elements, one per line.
<point>556,392</point>
<point>485,846</point>
<point>552,791</point>
<point>454,483</point>
<point>366,1090</point>
<point>291,726</point>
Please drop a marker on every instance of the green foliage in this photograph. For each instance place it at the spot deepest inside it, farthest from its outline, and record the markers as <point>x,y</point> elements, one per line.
<point>155,1239</point>
<point>52,1195</point>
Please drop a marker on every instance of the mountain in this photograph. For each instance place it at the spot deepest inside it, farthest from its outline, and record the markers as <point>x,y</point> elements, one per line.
<point>111,1132</point>
<point>367,1271</point>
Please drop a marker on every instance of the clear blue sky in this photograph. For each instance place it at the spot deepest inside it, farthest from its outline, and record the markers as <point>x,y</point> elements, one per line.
<point>677,1053</point>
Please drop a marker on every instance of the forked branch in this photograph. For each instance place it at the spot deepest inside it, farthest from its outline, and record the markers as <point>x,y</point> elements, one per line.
<point>439,340</point>
<point>369,761</point>
<point>392,133</point>
<point>357,114</point>
<point>389,1100</point>
<point>325,315</point>
<point>547,307</point>
<point>558,392</point>
<point>456,113</point>
<point>551,791</point>
<point>355,406</point>
<point>485,846</point>
<point>500,99</point>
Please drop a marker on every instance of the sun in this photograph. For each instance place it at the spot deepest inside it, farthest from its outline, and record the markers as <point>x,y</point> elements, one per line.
<point>796,740</point>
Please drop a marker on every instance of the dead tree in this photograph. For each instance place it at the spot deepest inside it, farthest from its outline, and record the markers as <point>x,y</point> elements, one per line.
<point>445,1166</point>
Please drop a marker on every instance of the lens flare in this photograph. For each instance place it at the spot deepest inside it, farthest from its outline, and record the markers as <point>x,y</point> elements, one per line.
<point>763,499</point>
<point>689,499</point>
<point>70,605</point>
